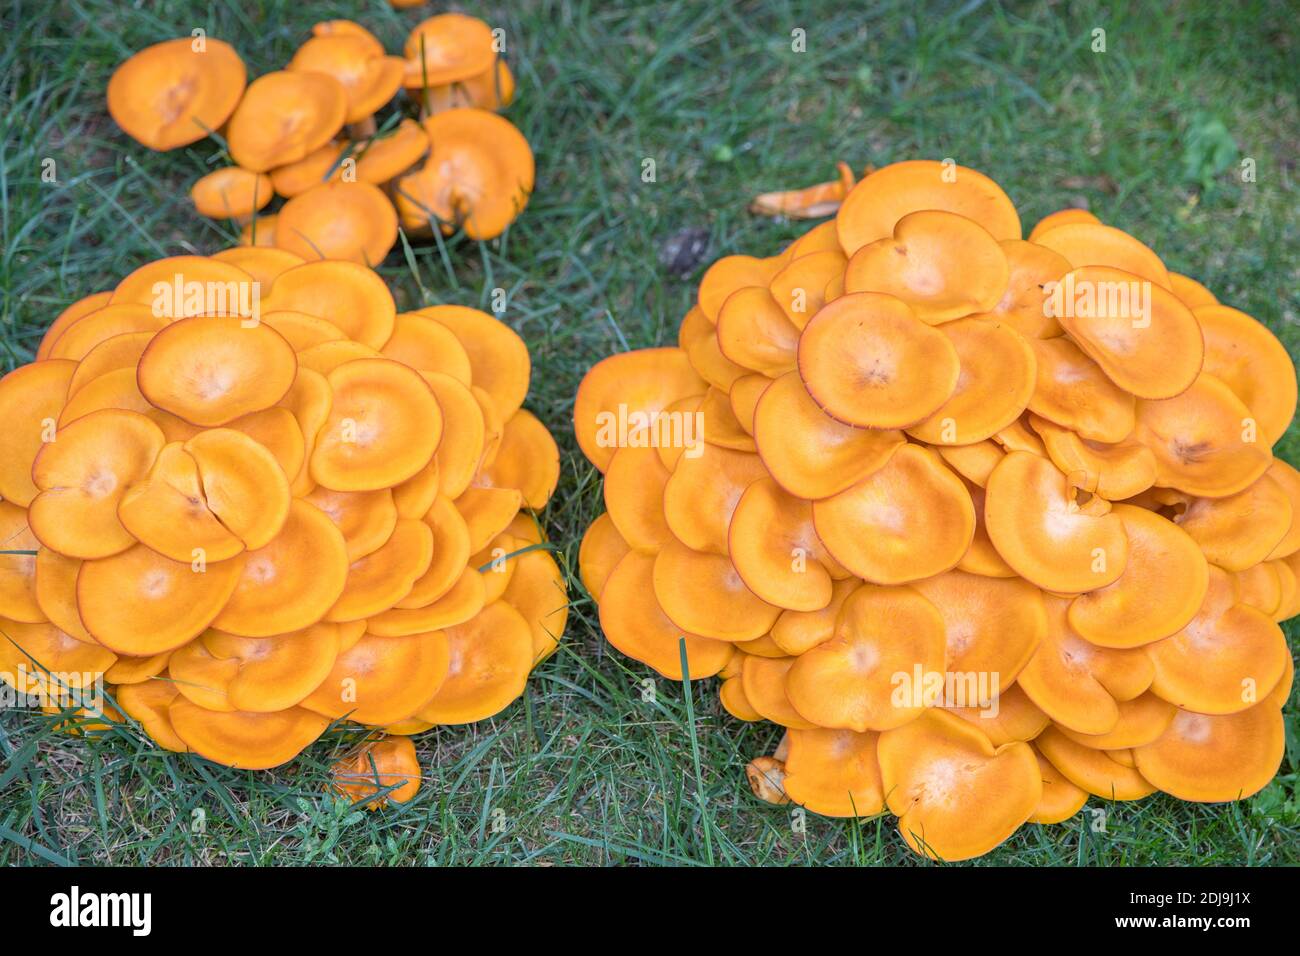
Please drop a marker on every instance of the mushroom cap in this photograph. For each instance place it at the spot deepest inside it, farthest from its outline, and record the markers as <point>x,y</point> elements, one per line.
<point>1163,585</point>
<point>834,772</point>
<point>1079,684</point>
<point>1288,479</point>
<point>601,549</point>
<point>1247,357</point>
<point>634,623</point>
<point>78,309</point>
<point>491,656</point>
<point>1192,293</point>
<point>644,383</point>
<point>243,484</point>
<point>763,682</point>
<point>140,603</point>
<point>351,296</point>
<point>996,382</point>
<point>1155,355</point>
<point>141,286</point>
<point>1141,721</point>
<point>498,357</point>
<point>1227,657</point>
<point>1100,772</point>
<point>149,702</point>
<point>40,657</point>
<point>849,681</point>
<point>366,518</point>
<point>465,599</point>
<point>910,519</point>
<point>321,165</point>
<point>755,333</point>
<point>170,95</point>
<point>1015,717</point>
<point>369,81</point>
<point>776,550</point>
<point>82,477</point>
<point>1024,305</point>
<point>354,222</point>
<point>874,206</point>
<point>1207,759</point>
<point>378,765</point>
<point>284,116</point>
<point>1060,218</point>
<point>82,337</point>
<point>210,370</point>
<point>226,672</point>
<point>447,48</point>
<point>260,262</point>
<point>55,591</point>
<point>1061,799</point>
<point>731,694</point>
<point>231,193</point>
<point>1093,244</point>
<point>703,594</point>
<point>487,512</point>
<point>766,778</point>
<point>479,176</point>
<point>30,396</point>
<point>328,28</point>
<point>943,265</point>
<point>1241,530</point>
<point>700,498</point>
<point>168,511</point>
<point>381,680</point>
<point>634,498</point>
<point>993,625</point>
<point>383,427</point>
<point>799,287</point>
<point>18,571</point>
<point>698,336</point>
<point>537,591</point>
<point>730,274</point>
<point>384,157</point>
<point>1074,392</point>
<point>1110,471</point>
<point>1197,438</point>
<point>527,459</point>
<point>867,360</point>
<point>259,232</point>
<point>797,631</point>
<point>244,740</point>
<point>116,352</point>
<point>377,581</point>
<point>451,554</point>
<point>426,345</point>
<point>955,794</point>
<point>289,583</point>
<point>1039,530</point>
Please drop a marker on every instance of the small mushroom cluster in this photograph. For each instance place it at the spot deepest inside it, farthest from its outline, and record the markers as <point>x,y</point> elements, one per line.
<point>308,133</point>
<point>989,524</point>
<point>255,522</point>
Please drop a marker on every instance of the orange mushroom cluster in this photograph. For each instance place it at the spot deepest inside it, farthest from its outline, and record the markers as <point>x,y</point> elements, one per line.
<point>308,133</point>
<point>990,524</point>
<point>256,522</point>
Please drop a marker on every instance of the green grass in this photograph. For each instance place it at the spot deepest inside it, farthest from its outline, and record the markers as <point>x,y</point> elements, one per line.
<point>583,769</point>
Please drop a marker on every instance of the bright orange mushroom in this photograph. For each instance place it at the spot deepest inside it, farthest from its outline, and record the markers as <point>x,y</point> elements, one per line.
<point>850,680</point>
<point>867,360</point>
<point>369,81</point>
<point>479,176</point>
<point>388,765</point>
<point>874,206</point>
<point>1207,759</point>
<point>31,400</point>
<point>176,92</point>
<point>283,116</point>
<point>955,794</point>
<point>353,221</point>
<point>943,265</point>
<point>244,740</point>
<point>231,193</point>
<point>1248,358</point>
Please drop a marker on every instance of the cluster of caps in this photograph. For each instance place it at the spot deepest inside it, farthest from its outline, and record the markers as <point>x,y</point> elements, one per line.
<point>255,521</point>
<point>989,524</point>
<point>308,133</point>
